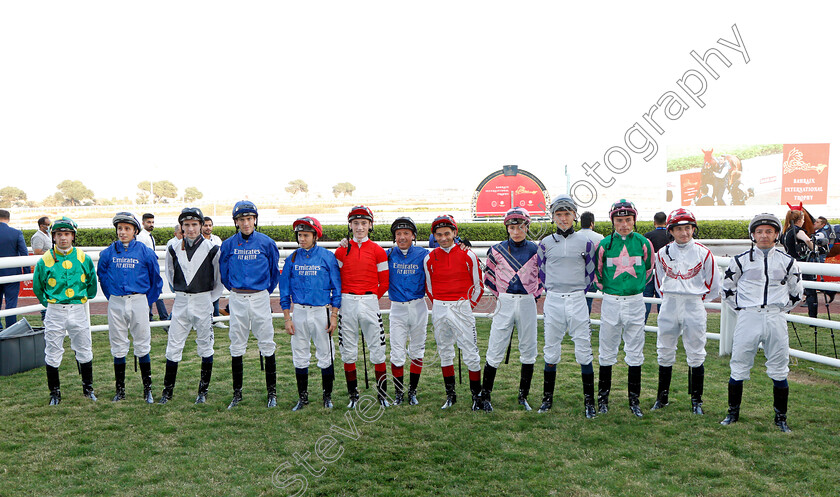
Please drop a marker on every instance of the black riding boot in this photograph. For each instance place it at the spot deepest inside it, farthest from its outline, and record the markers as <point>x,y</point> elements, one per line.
<point>236,368</point>
<point>588,394</point>
<point>413,381</point>
<point>451,398</point>
<point>475,390</point>
<point>664,387</point>
<point>735,392</point>
<point>549,377</point>
<point>146,378</point>
<point>303,393</point>
<point>87,380</point>
<point>204,381</point>
<point>382,390</point>
<point>398,390</point>
<point>487,386</point>
<point>634,388</point>
<point>328,377</point>
<point>168,381</point>
<point>271,380</point>
<point>780,403</point>
<point>696,376</point>
<point>119,382</point>
<point>604,385</point>
<point>54,384</point>
<point>353,391</point>
<point>525,375</point>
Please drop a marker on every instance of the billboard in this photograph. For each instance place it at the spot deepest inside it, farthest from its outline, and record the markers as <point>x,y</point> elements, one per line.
<point>732,175</point>
<point>805,173</point>
<point>507,188</point>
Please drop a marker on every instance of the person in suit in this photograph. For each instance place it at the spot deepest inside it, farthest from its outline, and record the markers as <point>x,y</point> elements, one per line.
<point>11,245</point>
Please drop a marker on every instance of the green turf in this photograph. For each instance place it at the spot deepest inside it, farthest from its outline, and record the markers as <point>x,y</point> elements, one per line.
<point>129,448</point>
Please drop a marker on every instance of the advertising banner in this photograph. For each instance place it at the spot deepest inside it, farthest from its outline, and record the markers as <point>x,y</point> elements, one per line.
<point>508,188</point>
<point>805,173</point>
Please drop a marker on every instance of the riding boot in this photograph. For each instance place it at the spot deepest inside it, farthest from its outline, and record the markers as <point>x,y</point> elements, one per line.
<point>204,380</point>
<point>398,389</point>
<point>736,390</point>
<point>604,385</point>
<point>664,387</point>
<point>697,377</point>
<point>87,380</point>
<point>780,403</point>
<point>525,375</point>
<point>352,388</point>
<point>451,398</point>
<point>382,391</point>
<point>271,380</point>
<point>146,378</point>
<point>413,381</point>
<point>487,386</point>
<point>54,384</point>
<point>549,378</point>
<point>588,394</point>
<point>119,381</point>
<point>327,378</point>
<point>236,369</point>
<point>634,388</point>
<point>169,381</point>
<point>302,377</point>
<point>475,390</point>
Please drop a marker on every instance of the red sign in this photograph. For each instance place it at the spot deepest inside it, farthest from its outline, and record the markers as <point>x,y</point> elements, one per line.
<point>26,286</point>
<point>689,186</point>
<point>26,289</point>
<point>805,173</point>
<point>499,193</point>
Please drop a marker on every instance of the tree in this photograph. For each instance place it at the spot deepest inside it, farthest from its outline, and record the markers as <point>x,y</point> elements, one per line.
<point>114,201</point>
<point>297,185</point>
<point>162,191</point>
<point>345,188</point>
<point>191,194</point>
<point>74,192</point>
<point>54,200</point>
<point>12,196</point>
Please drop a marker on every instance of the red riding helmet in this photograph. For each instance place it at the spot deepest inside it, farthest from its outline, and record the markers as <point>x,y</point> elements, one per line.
<point>681,216</point>
<point>360,212</point>
<point>310,224</point>
<point>444,221</point>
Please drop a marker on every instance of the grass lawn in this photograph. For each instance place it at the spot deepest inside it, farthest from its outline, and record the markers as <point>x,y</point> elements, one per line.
<point>130,448</point>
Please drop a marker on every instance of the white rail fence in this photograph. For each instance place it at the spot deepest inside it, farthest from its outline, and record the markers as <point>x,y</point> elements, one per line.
<point>727,320</point>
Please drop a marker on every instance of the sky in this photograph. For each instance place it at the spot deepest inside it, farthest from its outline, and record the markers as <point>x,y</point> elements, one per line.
<point>238,98</point>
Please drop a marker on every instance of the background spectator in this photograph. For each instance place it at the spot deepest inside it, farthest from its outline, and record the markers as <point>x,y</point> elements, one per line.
<point>587,221</point>
<point>41,242</point>
<point>658,237</point>
<point>11,245</point>
<point>207,232</point>
<point>145,237</point>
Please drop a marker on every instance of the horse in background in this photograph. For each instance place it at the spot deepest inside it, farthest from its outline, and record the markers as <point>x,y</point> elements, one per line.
<point>720,173</point>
